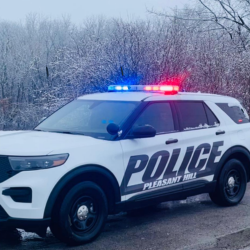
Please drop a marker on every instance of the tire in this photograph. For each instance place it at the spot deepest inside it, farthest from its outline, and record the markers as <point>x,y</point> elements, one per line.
<point>231,185</point>
<point>81,215</point>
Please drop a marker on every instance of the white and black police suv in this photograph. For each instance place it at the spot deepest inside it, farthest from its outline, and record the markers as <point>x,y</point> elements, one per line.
<point>133,147</point>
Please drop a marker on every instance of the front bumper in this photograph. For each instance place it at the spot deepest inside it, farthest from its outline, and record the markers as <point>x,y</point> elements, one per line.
<point>32,225</point>
<point>19,210</point>
<point>40,182</point>
<point>36,226</point>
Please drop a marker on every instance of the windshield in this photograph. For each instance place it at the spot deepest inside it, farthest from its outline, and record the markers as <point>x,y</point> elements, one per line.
<point>88,117</point>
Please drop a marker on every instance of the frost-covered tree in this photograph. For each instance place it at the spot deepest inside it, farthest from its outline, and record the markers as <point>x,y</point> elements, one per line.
<point>46,63</point>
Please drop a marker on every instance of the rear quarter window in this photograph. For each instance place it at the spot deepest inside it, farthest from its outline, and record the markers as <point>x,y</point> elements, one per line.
<point>235,112</point>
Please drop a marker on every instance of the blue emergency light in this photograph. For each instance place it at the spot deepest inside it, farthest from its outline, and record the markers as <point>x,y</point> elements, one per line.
<point>168,89</point>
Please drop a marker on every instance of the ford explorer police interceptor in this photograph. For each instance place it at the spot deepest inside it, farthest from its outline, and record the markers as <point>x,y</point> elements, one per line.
<point>130,148</point>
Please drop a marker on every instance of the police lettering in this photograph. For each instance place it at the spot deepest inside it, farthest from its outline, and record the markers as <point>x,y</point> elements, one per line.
<point>189,169</point>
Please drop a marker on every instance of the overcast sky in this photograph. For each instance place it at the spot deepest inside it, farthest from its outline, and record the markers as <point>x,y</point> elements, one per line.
<point>78,10</point>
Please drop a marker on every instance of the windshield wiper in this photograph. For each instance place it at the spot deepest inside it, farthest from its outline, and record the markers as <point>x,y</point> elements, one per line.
<point>67,132</point>
<point>62,132</point>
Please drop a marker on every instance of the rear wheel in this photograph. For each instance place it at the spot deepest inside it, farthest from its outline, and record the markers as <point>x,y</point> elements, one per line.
<point>82,214</point>
<point>231,184</point>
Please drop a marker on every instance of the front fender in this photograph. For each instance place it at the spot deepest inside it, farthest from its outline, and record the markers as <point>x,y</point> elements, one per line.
<point>79,171</point>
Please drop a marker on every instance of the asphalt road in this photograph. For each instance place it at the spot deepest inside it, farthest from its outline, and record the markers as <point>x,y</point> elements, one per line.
<point>193,224</point>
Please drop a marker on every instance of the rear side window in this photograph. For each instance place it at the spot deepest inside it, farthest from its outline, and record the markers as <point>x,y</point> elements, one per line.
<point>236,113</point>
<point>212,119</point>
<point>195,115</point>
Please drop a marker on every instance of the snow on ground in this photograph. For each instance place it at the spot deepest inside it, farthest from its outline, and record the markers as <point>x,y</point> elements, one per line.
<point>28,236</point>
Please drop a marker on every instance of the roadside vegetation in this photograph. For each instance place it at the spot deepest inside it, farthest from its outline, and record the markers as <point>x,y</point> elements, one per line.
<point>46,63</point>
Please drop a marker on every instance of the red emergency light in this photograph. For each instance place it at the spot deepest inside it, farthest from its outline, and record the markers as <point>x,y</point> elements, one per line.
<point>167,89</point>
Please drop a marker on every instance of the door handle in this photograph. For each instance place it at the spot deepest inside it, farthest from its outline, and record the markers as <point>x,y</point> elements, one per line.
<point>170,141</point>
<point>220,132</point>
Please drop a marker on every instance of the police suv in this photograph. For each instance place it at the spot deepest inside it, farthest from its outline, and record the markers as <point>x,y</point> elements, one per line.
<point>133,147</point>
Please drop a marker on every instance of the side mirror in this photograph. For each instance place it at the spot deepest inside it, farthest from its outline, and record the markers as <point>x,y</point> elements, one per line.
<point>146,131</point>
<point>113,129</point>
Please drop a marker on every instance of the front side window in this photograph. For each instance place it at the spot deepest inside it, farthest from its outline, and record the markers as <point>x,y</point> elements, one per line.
<point>195,115</point>
<point>88,117</point>
<point>159,116</point>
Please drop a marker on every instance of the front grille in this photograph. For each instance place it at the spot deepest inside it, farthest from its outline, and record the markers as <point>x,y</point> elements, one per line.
<point>3,214</point>
<point>5,169</point>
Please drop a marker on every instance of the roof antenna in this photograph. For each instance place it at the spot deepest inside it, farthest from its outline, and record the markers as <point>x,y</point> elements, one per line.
<point>122,71</point>
<point>47,71</point>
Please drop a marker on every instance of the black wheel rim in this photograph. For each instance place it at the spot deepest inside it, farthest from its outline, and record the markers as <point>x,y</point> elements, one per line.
<point>83,214</point>
<point>232,184</point>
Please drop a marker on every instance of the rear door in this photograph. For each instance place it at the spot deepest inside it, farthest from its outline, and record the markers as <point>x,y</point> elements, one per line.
<point>203,138</point>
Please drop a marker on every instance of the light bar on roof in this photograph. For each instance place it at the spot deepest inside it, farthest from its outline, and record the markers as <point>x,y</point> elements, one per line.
<point>167,89</point>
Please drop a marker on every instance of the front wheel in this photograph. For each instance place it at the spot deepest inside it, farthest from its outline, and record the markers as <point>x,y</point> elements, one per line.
<point>82,214</point>
<point>231,185</point>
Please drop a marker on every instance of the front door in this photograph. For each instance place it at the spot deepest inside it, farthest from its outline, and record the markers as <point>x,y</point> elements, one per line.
<point>151,163</point>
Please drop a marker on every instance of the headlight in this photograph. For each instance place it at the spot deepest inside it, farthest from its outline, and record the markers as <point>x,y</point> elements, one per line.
<point>37,162</point>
